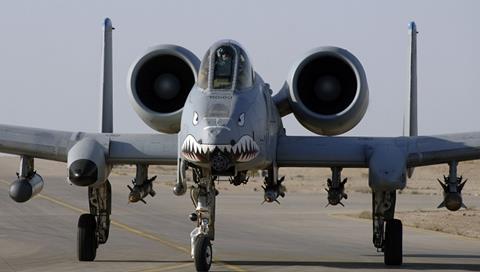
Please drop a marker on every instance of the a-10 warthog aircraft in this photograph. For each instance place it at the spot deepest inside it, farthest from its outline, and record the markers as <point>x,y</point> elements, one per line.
<point>219,119</point>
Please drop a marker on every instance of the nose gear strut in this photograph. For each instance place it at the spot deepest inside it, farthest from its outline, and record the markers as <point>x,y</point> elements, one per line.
<point>203,196</point>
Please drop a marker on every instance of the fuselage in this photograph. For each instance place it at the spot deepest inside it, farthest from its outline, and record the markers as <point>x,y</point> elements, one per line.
<point>227,125</point>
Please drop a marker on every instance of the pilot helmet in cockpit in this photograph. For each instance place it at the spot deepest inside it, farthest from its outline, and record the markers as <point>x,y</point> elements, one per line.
<point>229,68</point>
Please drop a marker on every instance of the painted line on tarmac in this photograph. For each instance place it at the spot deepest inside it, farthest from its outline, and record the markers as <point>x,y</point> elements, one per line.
<point>166,268</point>
<point>135,231</point>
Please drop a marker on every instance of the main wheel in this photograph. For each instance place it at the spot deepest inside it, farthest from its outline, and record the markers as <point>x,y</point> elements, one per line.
<point>393,242</point>
<point>203,253</point>
<point>87,238</point>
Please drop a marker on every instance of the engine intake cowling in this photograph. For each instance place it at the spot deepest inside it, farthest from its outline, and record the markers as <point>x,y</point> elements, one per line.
<point>327,91</point>
<point>160,82</point>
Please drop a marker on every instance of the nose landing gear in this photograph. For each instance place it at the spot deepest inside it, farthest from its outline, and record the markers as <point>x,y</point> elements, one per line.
<point>203,197</point>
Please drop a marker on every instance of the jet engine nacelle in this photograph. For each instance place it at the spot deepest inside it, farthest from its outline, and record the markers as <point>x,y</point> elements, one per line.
<point>86,163</point>
<point>327,91</point>
<point>160,82</point>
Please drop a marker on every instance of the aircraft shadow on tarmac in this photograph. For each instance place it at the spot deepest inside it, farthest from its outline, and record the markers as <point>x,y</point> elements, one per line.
<point>362,265</point>
<point>346,265</point>
<point>143,261</point>
<point>448,256</point>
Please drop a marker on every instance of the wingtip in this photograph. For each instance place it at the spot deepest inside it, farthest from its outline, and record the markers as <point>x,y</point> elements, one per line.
<point>412,26</point>
<point>107,23</point>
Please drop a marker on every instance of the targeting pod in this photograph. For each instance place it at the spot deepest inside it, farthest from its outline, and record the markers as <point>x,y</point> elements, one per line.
<point>23,189</point>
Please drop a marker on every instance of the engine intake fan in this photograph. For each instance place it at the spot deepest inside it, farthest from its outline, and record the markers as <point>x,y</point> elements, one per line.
<point>326,90</point>
<point>160,82</point>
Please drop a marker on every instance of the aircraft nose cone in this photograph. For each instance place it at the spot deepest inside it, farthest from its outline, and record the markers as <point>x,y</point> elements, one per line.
<point>83,172</point>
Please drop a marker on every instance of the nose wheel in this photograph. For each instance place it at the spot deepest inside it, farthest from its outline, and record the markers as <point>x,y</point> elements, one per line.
<point>203,255</point>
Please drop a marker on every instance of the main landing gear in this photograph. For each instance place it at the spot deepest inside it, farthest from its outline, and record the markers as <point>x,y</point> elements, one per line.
<point>203,196</point>
<point>387,231</point>
<point>94,227</point>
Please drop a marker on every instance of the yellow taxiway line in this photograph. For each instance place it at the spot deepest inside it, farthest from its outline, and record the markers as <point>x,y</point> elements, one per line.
<point>165,268</point>
<point>139,233</point>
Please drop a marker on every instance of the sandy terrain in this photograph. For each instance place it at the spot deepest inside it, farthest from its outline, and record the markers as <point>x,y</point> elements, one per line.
<point>313,180</point>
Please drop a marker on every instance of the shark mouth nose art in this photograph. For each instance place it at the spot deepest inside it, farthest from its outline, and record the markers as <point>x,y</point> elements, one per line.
<point>243,151</point>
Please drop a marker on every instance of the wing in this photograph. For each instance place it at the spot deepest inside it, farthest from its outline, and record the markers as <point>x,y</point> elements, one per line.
<point>120,148</point>
<point>301,151</point>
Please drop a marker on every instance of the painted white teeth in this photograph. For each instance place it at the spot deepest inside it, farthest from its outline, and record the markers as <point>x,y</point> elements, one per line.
<point>245,149</point>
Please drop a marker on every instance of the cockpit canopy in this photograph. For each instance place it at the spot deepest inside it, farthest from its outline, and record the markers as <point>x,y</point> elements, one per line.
<point>225,66</point>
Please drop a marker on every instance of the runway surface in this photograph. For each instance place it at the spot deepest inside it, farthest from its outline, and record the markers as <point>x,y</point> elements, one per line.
<point>298,235</point>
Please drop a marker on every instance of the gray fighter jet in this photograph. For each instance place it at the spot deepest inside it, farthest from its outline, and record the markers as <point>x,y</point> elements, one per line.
<point>219,119</point>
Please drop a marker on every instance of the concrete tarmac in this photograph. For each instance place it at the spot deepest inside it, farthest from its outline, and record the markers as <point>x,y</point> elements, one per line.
<point>298,235</point>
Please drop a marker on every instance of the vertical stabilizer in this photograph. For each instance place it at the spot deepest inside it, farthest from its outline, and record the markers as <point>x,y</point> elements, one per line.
<point>106,125</point>
<point>410,120</point>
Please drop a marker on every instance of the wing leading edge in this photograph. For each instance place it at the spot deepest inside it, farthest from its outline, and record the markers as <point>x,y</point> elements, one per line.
<point>306,151</point>
<point>120,148</point>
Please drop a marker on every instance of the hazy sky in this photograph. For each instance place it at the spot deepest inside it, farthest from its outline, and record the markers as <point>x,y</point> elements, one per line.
<point>50,54</point>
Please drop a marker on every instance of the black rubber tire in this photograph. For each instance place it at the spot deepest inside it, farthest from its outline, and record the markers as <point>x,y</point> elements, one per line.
<point>393,254</point>
<point>203,253</point>
<point>86,238</point>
